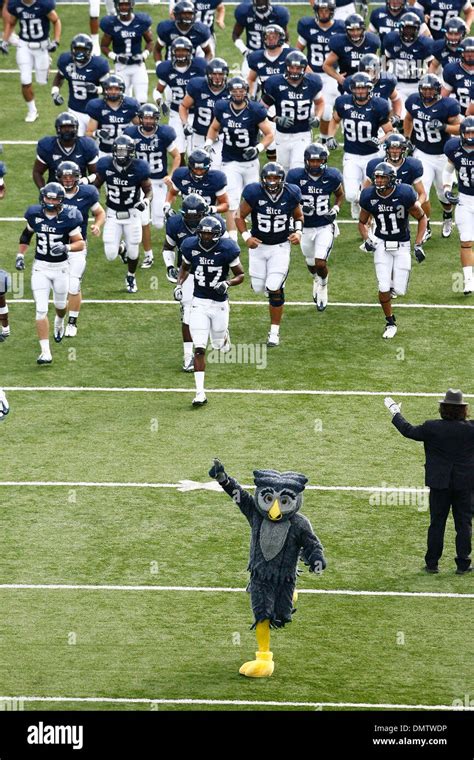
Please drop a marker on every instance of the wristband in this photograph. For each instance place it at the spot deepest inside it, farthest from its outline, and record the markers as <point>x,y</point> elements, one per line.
<point>241,46</point>
<point>213,209</point>
<point>260,147</point>
<point>68,248</point>
<point>336,208</point>
<point>298,225</point>
<point>246,235</point>
<point>54,91</point>
<point>1,182</point>
<point>145,54</point>
<point>208,142</point>
<point>112,56</point>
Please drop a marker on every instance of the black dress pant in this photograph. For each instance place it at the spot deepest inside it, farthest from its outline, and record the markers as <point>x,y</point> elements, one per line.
<point>441,500</point>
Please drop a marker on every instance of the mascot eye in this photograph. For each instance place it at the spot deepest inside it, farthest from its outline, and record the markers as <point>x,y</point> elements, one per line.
<point>268,498</point>
<point>285,501</point>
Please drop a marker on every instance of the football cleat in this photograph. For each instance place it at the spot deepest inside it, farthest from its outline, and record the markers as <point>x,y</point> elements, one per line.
<point>6,331</point>
<point>447,227</point>
<point>122,251</point>
<point>147,261</point>
<point>59,333</point>
<point>2,338</point>
<point>315,291</point>
<point>322,297</point>
<point>468,286</point>
<point>188,366</point>
<point>44,359</point>
<point>226,347</point>
<point>273,340</point>
<point>131,283</point>
<point>71,330</point>
<point>355,210</point>
<point>172,274</point>
<point>390,331</point>
<point>31,116</point>
<point>199,399</point>
<point>427,235</point>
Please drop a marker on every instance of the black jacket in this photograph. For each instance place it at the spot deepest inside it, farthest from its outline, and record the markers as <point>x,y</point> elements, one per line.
<point>449,450</point>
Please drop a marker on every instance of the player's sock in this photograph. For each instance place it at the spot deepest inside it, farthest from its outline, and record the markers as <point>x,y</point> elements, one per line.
<point>31,106</point>
<point>168,258</point>
<point>148,253</point>
<point>58,323</point>
<point>45,349</point>
<point>188,351</point>
<point>95,39</point>
<point>447,214</point>
<point>233,234</point>
<point>199,380</point>
<point>323,281</point>
<point>274,329</point>
<point>467,272</point>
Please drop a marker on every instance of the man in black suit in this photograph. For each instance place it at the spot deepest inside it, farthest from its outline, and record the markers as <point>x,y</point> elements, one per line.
<point>449,472</point>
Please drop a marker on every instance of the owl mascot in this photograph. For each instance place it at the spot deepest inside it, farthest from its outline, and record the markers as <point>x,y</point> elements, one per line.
<point>279,537</point>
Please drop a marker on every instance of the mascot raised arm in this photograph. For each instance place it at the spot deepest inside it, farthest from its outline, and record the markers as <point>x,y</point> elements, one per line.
<point>279,536</point>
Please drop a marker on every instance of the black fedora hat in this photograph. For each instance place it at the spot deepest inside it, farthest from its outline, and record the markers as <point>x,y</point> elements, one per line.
<point>453,397</point>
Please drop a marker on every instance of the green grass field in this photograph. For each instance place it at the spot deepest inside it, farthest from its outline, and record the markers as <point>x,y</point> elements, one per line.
<point>167,644</point>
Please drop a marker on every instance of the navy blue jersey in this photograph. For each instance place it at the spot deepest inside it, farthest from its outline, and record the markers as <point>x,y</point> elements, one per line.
<point>153,148</point>
<point>463,160</point>
<point>317,190</point>
<point>361,123</point>
<point>407,62</point>
<point>177,231</point>
<point>265,67</point>
<point>459,82</point>
<point>51,152</point>
<point>383,21</point>
<point>33,19</point>
<point>126,36</point>
<point>390,214</point>
<point>317,39</point>
<point>83,199</point>
<point>383,88</point>
<point>52,230</point>
<point>210,267</point>
<point>206,11</point>
<point>441,11</point>
<point>123,185</point>
<point>240,128</point>
<point>444,54</point>
<point>81,79</point>
<point>349,54</point>
<point>204,102</point>
<point>113,120</point>
<point>254,25</point>
<point>409,171</point>
<point>292,101</point>
<point>425,137</point>
<point>271,217</point>
<point>167,31</point>
<point>208,187</point>
<point>178,80</point>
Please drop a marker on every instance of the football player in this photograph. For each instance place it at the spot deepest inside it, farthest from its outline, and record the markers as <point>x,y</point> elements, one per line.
<point>458,77</point>
<point>4,405</point>
<point>460,154</point>
<point>345,8</point>
<point>94,13</point>
<point>58,238</point>
<point>391,206</point>
<point>274,206</point>
<point>386,19</point>
<point>85,198</point>
<point>362,116</point>
<point>84,73</point>
<point>270,60</point>
<point>207,11</point>
<point>34,45</point>
<point>252,18</point>
<point>202,93</point>
<point>314,34</point>
<point>407,54</point>
<point>198,178</point>
<point>127,180</point>
<point>125,32</point>
<point>299,107</point>
<point>179,227</point>
<point>447,50</point>
<point>66,146</point>
<point>439,12</point>
<point>346,50</point>
<point>210,258</point>
<point>385,85</point>
<point>429,122</point>
<point>177,74</point>
<point>183,25</point>
<point>409,170</point>
<point>318,182</point>
<point>241,121</point>
<point>153,141</point>
<point>111,114</point>
<point>4,283</point>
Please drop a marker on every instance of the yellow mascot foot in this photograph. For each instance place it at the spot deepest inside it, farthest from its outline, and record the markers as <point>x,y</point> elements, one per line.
<point>261,667</point>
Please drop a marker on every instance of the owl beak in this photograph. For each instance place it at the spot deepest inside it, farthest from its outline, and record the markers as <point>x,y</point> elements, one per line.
<point>275,513</point>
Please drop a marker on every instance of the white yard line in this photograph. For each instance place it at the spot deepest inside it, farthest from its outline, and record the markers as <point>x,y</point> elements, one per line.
<point>230,702</point>
<point>222,590</point>
<point>194,486</point>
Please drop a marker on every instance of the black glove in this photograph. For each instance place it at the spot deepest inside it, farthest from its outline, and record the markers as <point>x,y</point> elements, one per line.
<point>91,88</point>
<point>178,293</point>
<point>331,216</point>
<point>314,122</point>
<point>140,205</point>
<point>369,245</point>
<point>188,130</point>
<point>4,47</point>
<point>437,124</point>
<point>397,122</point>
<point>58,99</point>
<point>20,262</point>
<point>222,287</point>
<point>284,121</point>
<point>59,249</point>
<point>217,472</point>
<point>52,46</point>
<point>307,208</point>
<point>104,134</point>
<point>451,198</point>
<point>168,211</point>
<point>122,58</point>
<point>410,148</point>
<point>250,153</point>
<point>164,109</point>
<point>419,253</point>
<point>331,143</point>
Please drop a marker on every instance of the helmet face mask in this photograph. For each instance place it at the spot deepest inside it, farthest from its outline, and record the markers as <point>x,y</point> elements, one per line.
<point>149,116</point>
<point>295,66</point>
<point>52,197</point>
<point>361,88</point>
<point>181,52</point>
<point>124,8</point>
<point>429,89</point>
<point>324,10</point>
<point>67,127</point>
<point>315,159</point>
<point>456,31</point>
<point>395,148</point>
<point>68,175</point>
<point>384,178</point>
<point>194,208</point>
<point>370,64</point>
<point>238,90</point>
<point>355,28</point>
<point>81,49</point>
<point>199,163</point>
<point>273,37</point>
<point>114,88</point>
<point>467,54</point>
<point>209,232</point>
<point>395,6</point>
<point>410,26</point>
<point>184,15</point>
<point>123,150</point>
<point>217,72</point>
<point>261,7</point>
<point>467,132</point>
<point>272,178</point>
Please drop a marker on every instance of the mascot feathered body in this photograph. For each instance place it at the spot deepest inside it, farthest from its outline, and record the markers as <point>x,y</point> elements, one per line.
<point>280,535</point>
